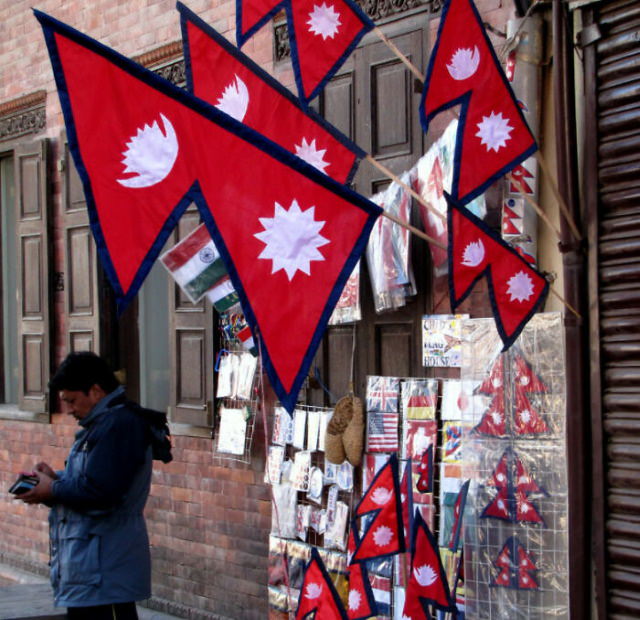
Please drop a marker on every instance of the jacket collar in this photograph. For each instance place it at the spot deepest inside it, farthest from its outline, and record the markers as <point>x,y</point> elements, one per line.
<point>101,407</point>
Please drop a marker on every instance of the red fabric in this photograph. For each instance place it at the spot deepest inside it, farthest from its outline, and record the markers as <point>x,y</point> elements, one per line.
<point>427,580</point>
<point>359,605</point>
<point>461,32</point>
<point>268,111</point>
<point>241,184</point>
<point>253,11</point>
<point>318,593</point>
<point>517,287</point>
<point>384,534</point>
<point>316,55</point>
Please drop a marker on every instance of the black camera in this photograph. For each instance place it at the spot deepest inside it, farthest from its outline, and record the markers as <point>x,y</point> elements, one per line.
<point>24,483</point>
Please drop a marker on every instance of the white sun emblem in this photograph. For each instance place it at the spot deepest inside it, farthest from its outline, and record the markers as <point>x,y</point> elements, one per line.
<point>500,477</point>
<point>425,575</point>
<point>524,508</point>
<point>311,154</point>
<point>501,505</point>
<point>520,287</point>
<point>355,598</point>
<point>382,536</point>
<point>525,416</point>
<point>473,254</point>
<point>497,417</point>
<point>494,131</point>
<point>150,154</point>
<point>324,21</point>
<point>292,239</point>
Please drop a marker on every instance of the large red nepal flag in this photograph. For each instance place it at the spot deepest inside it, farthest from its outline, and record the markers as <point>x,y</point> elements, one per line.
<point>289,235</point>
<point>427,580</point>
<point>322,33</point>
<point>220,73</point>
<point>251,15</point>
<point>516,289</point>
<point>382,510</point>
<point>493,136</point>
<point>318,596</point>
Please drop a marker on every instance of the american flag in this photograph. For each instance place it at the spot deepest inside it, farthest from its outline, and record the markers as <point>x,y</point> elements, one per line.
<point>382,431</point>
<point>382,394</point>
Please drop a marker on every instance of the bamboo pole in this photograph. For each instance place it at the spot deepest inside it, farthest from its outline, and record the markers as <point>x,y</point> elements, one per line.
<point>374,162</point>
<point>536,207</point>
<point>414,230</point>
<point>391,45</point>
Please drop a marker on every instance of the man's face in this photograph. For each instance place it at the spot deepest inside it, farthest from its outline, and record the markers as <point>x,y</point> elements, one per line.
<point>78,404</point>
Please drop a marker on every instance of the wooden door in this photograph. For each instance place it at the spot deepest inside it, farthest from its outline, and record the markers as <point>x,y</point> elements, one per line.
<point>374,101</point>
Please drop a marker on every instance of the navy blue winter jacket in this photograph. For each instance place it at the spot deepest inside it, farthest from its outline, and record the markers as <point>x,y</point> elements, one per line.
<point>99,543</point>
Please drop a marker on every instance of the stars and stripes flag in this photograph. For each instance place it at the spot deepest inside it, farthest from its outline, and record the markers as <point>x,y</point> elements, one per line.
<point>493,136</point>
<point>322,35</point>
<point>220,73</point>
<point>382,431</point>
<point>516,289</point>
<point>427,580</point>
<point>145,149</point>
<point>381,505</point>
<point>318,595</point>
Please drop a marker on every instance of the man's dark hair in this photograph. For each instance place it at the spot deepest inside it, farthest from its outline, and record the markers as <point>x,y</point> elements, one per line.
<point>81,370</point>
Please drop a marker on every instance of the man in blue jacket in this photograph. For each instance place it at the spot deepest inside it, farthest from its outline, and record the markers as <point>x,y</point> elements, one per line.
<point>100,560</point>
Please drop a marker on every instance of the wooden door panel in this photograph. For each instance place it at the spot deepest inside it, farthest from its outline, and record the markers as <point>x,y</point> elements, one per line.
<point>33,261</point>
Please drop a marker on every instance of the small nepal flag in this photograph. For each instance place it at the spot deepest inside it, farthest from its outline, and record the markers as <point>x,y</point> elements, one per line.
<point>493,136</point>
<point>318,596</point>
<point>322,33</point>
<point>146,149</point>
<point>425,469</point>
<point>516,289</point>
<point>427,580</point>
<point>251,15</point>
<point>361,603</point>
<point>220,73</point>
<point>406,499</point>
<point>458,514</point>
<point>381,507</point>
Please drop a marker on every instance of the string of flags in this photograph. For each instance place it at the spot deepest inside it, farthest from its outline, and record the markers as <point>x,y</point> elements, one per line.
<point>144,155</point>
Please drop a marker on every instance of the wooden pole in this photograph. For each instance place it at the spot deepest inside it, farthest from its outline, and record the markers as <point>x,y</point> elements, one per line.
<point>398,53</point>
<point>536,207</point>
<point>401,183</point>
<point>414,230</point>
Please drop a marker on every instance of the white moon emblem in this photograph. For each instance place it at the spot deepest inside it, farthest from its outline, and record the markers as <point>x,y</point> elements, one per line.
<point>235,99</point>
<point>464,63</point>
<point>150,154</point>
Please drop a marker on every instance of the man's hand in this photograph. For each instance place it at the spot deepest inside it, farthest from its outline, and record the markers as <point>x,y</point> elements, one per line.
<point>41,493</point>
<point>46,469</point>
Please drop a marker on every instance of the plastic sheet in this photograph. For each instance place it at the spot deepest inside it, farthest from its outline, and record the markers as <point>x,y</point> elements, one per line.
<point>515,524</point>
<point>388,256</point>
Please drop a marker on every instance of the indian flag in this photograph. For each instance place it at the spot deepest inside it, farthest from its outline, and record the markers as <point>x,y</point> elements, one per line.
<point>197,267</point>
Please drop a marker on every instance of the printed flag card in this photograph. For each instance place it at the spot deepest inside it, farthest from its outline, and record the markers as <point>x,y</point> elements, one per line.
<point>232,430</point>
<point>419,398</point>
<point>452,442</point>
<point>442,340</point>
<point>371,466</point>
<point>313,429</point>
<point>382,431</point>
<point>334,537</point>
<point>316,485</point>
<point>246,373</point>
<point>347,309</point>
<point>417,437</point>
<point>303,516</point>
<point>274,464</point>
<point>299,428</point>
<point>325,416</point>
<point>301,470</point>
<point>381,587</point>
<point>283,515</point>
<point>459,400</point>
<point>282,427</point>
<point>382,394</point>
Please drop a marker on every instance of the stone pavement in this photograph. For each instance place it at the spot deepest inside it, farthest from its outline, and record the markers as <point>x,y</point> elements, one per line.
<point>24,595</point>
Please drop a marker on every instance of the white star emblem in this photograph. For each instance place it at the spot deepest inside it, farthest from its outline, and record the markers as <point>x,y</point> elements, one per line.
<point>292,239</point>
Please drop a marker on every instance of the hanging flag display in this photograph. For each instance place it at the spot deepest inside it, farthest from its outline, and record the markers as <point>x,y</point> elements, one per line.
<point>425,480</point>
<point>220,73</point>
<point>427,580</point>
<point>493,136</point>
<point>318,596</point>
<point>361,602</point>
<point>381,506</point>
<point>516,289</point>
<point>516,567</point>
<point>145,149</point>
<point>514,485</point>
<point>458,514</point>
